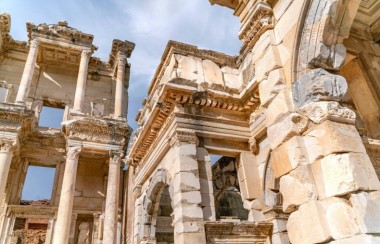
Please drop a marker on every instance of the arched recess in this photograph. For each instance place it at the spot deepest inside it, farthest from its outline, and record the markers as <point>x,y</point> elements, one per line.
<point>228,200</point>
<point>271,186</point>
<point>159,182</point>
<point>323,26</point>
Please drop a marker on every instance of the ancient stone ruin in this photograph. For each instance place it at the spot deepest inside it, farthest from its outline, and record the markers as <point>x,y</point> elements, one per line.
<point>278,144</point>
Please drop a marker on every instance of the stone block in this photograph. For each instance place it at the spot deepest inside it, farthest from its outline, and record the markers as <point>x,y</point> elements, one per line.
<point>288,156</point>
<point>185,181</point>
<point>280,238</point>
<point>279,225</point>
<point>331,137</point>
<point>319,112</point>
<point>254,204</point>
<point>339,174</point>
<point>190,197</point>
<point>367,207</point>
<point>293,125</point>
<point>270,87</point>
<point>212,72</point>
<point>359,239</point>
<point>319,85</point>
<point>270,61</point>
<point>341,218</point>
<point>300,179</point>
<point>187,213</point>
<point>248,175</point>
<point>308,224</point>
<point>231,77</point>
<point>187,67</point>
<point>280,106</point>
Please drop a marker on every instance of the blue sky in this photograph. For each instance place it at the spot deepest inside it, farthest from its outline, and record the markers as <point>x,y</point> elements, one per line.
<point>150,24</point>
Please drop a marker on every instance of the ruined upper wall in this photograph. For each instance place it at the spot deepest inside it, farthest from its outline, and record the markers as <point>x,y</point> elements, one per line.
<point>58,60</point>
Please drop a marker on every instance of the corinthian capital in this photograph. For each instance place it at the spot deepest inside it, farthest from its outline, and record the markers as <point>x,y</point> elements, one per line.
<point>34,44</point>
<point>121,59</point>
<point>7,145</point>
<point>115,157</point>
<point>86,54</point>
<point>73,152</point>
<point>183,137</point>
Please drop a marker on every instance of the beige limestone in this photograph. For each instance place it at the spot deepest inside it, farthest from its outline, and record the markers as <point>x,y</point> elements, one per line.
<point>367,207</point>
<point>319,112</point>
<point>267,63</point>
<point>279,108</point>
<point>339,174</point>
<point>212,72</point>
<point>271,86</point>
<point>80,90</point>
<point>248,176</point>
<point>302,180</point>
<point>362,239</point>
<point>309,218</point>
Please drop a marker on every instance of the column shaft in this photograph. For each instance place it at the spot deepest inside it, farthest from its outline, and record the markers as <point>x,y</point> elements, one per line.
<point>119,91</point>
<point>27,75</point>
<point>110,216</point>
<point>80,90</point>
<point>62,226</point>
<point>6,154</point>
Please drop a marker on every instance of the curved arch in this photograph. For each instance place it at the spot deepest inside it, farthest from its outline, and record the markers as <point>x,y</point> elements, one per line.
<point>271,196</point>
<point>323,26</point>
<point>158,182</point>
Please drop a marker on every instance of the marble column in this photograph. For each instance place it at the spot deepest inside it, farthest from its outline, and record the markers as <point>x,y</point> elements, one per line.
<point>111,209</point>
<point>62,226</point>
<point>80,90</point>
<point>27,75</point>
<point>119,91</point>
<point>6,153</point>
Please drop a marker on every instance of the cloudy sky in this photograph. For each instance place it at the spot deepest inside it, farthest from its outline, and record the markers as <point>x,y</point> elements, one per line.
<point>150,24</point>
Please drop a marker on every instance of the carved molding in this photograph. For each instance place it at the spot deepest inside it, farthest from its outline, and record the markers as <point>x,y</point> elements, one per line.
<point>73,153</point>
<point>34,44</point>
<point>86,54</point>
<point>183,137</point>
<point>7,145</point>
<point>115,158</point>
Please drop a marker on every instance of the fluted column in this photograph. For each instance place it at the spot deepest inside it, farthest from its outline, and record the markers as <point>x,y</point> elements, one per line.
<point>27,75</point>
<point>110,216</point>
<point>62,226</point>
<point>80,90</point>
<point>6,153</point>
<point>119,91</point>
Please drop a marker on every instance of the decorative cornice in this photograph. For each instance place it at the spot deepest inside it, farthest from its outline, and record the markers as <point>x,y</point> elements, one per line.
<point>118,46</point>
<point>31,210</point>
<point>61,31</point>
<point>174,47</point>
<point>258,20</point>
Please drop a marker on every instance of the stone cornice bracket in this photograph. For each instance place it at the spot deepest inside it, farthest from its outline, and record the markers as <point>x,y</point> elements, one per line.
<point>73,152</point>
<point>183,137</point>
<point>258,19</point>
<point>7,145</point>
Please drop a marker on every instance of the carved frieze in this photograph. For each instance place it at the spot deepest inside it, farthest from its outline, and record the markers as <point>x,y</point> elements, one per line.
<point>183,137</point>
<point>91,129</point>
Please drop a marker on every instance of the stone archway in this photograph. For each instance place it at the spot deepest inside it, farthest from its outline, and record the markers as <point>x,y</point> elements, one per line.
<point>158,184</point>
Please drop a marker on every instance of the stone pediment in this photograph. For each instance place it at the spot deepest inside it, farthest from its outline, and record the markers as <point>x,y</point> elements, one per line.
<point>91,129</point>
<point>60,32</point>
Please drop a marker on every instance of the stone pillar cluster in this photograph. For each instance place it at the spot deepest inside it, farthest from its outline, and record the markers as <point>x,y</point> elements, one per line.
<point>80,90</point>
<point>27,75</point>
<point>318,152</point>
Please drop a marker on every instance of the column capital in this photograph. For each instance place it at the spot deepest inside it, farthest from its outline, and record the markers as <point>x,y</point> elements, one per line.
<point>115,157</point>
<point>73,152</point>
<point>34,43</point>
<point>121,59</point>
<point>86,53</point>
<point>183,137</point>
<point>7,145</point>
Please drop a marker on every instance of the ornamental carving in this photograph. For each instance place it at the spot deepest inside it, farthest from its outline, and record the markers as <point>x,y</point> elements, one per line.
<point>7,145</point>
<point>115,158</point>
<point>73,152</point>
<point>34,44</point>
<point>260,21</point>
<point>86,54</point>
<point>183,137</point>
